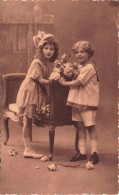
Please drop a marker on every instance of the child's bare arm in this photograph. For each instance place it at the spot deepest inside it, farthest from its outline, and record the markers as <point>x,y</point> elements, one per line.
<point>44,81</point>
<point>69,83</point>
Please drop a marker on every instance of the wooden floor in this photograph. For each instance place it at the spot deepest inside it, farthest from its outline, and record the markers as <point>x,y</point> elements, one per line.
<point>19,175</point>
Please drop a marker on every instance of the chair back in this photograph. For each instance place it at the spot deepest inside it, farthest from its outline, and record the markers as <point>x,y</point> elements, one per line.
<point>12,83</point>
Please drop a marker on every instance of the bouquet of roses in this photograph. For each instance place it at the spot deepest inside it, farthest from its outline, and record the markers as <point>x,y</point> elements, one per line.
<point>64,68</point>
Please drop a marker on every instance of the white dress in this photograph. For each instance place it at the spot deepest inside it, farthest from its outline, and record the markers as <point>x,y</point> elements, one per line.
<point>87,95</point>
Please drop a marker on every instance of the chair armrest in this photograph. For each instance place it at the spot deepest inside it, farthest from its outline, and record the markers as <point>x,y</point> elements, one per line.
<point>14,76</point>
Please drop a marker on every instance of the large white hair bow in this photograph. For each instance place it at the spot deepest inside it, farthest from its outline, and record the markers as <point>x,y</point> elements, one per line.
<point>41,38</point>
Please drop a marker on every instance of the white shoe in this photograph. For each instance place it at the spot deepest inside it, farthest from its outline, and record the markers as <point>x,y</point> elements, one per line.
<point>31,154</point>
<point>44,158</point>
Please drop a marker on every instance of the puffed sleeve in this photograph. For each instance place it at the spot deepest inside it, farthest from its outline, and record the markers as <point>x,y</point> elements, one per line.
<point>86,73</point>
<point>35,71</point>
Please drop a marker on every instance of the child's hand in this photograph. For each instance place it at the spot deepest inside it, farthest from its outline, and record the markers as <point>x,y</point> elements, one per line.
<point>61,80</point>
<point>50,82</point>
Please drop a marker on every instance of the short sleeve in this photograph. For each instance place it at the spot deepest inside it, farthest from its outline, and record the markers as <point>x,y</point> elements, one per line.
<point>86,73</point>
<point>35,71</point>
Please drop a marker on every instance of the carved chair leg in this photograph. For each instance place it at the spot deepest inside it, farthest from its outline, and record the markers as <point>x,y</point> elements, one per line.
<point>31,134</point>
<point>51,141</point>
<point>77,141</point>
<point>6,129</point>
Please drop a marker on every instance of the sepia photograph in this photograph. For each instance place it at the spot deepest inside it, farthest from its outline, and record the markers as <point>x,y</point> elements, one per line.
<point>59,96</point>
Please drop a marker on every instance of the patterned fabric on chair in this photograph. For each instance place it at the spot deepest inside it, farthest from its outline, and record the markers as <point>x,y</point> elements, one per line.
<point>12,83</point>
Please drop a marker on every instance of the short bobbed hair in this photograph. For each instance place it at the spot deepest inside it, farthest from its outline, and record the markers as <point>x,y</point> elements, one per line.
<point>84,45</point>
<point>39,51</point>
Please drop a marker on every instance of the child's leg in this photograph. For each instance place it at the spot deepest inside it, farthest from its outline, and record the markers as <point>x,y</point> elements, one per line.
<point>93,137</point>
<point>94,141</point>
<point>79,126</point>
<point>80,135</point>
<point>89,117</point>
<point>26,132</point>
<point>27,126</point>
<point>76,138</point>
<point>81,139</point>
<point>26,138</point>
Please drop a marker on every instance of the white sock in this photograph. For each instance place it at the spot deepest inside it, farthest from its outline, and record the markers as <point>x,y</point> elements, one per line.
<point>27,144</point>
<point>82,146</point>
<point>94,143</point>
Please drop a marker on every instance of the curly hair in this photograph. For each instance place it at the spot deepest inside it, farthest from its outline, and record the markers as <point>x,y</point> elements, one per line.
<point>85,45</point>
<point>39,51</point>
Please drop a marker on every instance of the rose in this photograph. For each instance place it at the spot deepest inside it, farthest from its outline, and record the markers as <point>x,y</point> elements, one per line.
<point>54,76</point>
<point>89,165</point>
<point>56,70</point>
<point>57,63</point>
<point>52,167</point>
<point>68,69</point>
<point>75,65</point>
<point>64,58</point>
